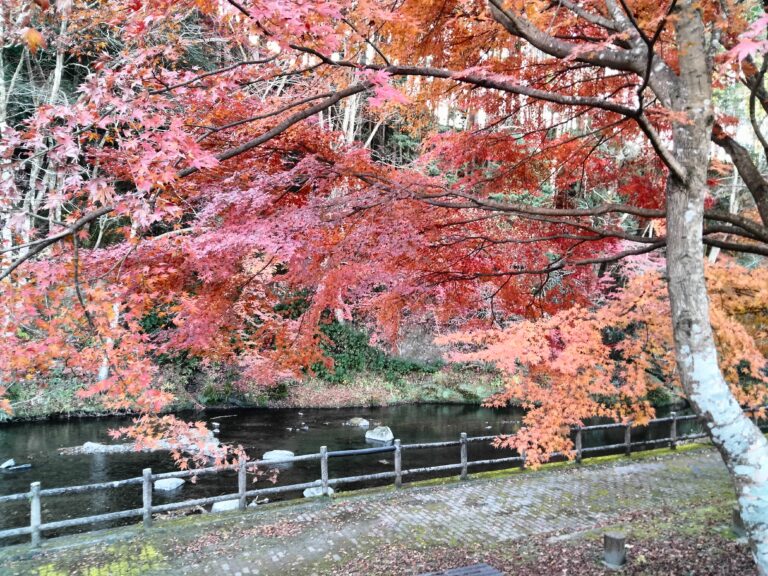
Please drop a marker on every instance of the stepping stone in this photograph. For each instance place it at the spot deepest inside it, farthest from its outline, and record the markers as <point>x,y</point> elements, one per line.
<point>380,434</point>
<point>358,422</point>
<point>316,491</point>
<point>276,458</point>
<point>168,484</point>
<point>277,455</point>
<point>225,506</point>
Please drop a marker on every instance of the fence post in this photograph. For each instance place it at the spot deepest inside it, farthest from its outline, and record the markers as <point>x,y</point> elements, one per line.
<point>35,513</point>
<point>628,438</point>
<point>463,455</point>
<point>578,443</point>
<point>398,465</point>
<point>673,431</point>
<point>241,482</point>
<point>146,494</point>
<point>324,469</point>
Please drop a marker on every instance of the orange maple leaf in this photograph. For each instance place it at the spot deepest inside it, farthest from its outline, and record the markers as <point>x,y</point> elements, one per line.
<point>34,39</point>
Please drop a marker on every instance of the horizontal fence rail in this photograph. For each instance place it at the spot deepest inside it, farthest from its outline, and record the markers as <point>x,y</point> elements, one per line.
<point>36,493</point>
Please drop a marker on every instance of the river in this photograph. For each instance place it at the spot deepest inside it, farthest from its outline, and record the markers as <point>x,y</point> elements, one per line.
<point>257,430</point>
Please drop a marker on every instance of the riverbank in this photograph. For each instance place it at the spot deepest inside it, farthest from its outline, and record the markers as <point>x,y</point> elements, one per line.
<point>674,508</point>
<point>59,399</point>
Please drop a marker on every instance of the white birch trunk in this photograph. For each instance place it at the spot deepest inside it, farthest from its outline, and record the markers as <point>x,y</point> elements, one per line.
<point>741,444</point>
<point>372,135</point>
<point>350,117</point>
<point>104,368</point>
<point>733,208</point>
<point>6,174</point>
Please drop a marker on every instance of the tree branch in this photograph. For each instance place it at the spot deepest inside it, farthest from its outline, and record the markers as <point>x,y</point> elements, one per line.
<point>45,242</point>
<point>520,26</point>
<point>754,180</point>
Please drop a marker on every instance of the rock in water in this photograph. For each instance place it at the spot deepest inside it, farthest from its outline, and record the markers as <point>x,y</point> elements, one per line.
<point>168,484</point>
<point>273,455</point>
<point>359,422</point>
<point>380,434</point>
<point>98,448</point>
<point>207,446</point>
<point>8,464</point>
<point>225,506</point>
<point>256,502</point>
<point>316,491</point>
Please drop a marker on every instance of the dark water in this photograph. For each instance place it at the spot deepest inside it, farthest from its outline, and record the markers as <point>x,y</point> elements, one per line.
<point>257,431</point>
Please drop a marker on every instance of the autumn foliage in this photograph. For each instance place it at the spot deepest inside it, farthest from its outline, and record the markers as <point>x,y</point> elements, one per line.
<point>608,360</point>
<point>241,173</point>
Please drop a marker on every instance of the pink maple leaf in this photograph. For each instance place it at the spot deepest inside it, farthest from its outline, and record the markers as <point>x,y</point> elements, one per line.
<point>748,44</point>
<point>383,91</point>
<point>746,48</point>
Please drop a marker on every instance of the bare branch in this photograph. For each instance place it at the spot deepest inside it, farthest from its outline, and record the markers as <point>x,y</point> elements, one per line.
<point>44,243</point>
<point>170,88</point>
<point>518,25</point>
<point>750,174</point>
<point>284,125</point>
<point>752,97</point>
<point>590,17</point>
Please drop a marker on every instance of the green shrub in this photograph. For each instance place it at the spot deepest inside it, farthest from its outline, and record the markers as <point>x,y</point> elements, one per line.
<point>352,354</point>
<point>659,397</point>
<point>157,319</point>
<point>216,393</point>
<point>278,392</point>
<point>294,304</point>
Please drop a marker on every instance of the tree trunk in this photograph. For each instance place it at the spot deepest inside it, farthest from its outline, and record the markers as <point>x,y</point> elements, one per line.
<point>741,444</point>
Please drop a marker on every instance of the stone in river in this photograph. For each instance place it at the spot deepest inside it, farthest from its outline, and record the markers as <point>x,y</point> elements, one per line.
<point>359,422</point>
<point>380,434</point>
<point>316,491</point>
<point>277,455</point>
<point>276,458</point>
<point>168,484</point>
<point>225,506</point>
<point>255,502</point>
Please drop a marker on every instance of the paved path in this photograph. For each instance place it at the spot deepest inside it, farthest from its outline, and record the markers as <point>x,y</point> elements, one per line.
<point>318,537</point>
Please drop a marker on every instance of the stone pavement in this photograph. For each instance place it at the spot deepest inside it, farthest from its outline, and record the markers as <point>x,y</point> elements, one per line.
<point>319,537</point>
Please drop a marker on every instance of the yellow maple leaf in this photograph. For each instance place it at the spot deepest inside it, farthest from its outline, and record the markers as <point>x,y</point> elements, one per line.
<point>34,39</point>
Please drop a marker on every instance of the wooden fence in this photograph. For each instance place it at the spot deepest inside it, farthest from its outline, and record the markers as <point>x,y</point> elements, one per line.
<point>36,525</point>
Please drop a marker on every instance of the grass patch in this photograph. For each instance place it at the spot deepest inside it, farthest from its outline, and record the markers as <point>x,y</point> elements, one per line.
<point>511,472</point>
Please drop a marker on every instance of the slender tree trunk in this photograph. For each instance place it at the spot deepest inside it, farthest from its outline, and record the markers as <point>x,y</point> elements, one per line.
<point>741,444</point>
<point>733,208</point>
<point>372,135</point>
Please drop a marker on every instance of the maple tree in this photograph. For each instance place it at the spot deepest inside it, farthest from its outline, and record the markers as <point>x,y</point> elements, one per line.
<point>607,361</point>
<point>244,171</point>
